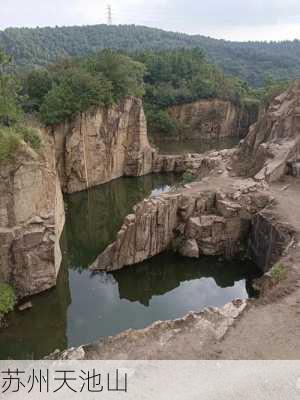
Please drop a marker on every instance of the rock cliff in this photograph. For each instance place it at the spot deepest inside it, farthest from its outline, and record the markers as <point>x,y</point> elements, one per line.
<point>196,221</point>
<point>272,147</point>
<point>99,146</point>
<point>211,119</point>
<point>31,219</point>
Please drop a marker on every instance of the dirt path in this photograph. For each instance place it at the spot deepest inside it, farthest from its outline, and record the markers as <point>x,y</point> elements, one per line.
<point>271,328</point>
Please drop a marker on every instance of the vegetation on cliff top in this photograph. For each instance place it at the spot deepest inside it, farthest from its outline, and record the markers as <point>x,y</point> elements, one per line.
<point>74,86</point>
<point>164,78</point>
<point>250,61</point>
<point>12,128</point>
<point>183,76</point>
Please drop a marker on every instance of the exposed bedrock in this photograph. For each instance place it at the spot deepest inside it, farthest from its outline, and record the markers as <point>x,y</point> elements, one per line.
<point>31,219</point>
<point>196,221</point>
<point>272,147</point>
<point>268,239</point>
<point>211,119</point>
<point>96,147</point>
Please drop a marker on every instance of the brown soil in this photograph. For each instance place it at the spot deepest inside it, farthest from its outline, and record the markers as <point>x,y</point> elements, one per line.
<point>271,327</point>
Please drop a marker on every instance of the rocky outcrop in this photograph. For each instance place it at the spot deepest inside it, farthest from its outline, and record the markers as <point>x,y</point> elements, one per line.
<point>202,163</point>
<point>211,119</point>
<point>272,146</point>
<point>268,239</point>
<point>31,219</point>
<point>163,339</point>
<point>99,146</point>
<point>197,221</point>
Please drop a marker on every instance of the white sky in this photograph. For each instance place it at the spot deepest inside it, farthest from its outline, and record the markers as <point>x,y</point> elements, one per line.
<point>228,19</point>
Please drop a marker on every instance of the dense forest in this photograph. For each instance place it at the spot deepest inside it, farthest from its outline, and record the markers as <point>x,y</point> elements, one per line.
<point>250,61</point>
<point>58,92</point>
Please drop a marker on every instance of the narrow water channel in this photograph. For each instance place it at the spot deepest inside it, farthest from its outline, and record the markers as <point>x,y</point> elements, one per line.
<point>85,307</point>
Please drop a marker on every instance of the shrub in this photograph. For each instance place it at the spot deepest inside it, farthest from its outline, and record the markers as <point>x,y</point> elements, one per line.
<point>9,142</point>
<point>278,272</point>
<point>7,298</point>
<point>30,136</point>
<point>10,139</point>
<point>160,122</point>
<point>188,177</point>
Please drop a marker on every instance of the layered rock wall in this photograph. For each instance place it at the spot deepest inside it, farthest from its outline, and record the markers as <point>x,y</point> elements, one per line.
<point>31,219</point>
<point>196,222</point>
<point>272,147</point>
<point>99,146</point>
<point>211,119</point>
<point>268,240</point>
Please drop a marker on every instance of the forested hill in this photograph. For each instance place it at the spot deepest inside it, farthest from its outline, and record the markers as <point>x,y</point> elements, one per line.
<point>251,61</point>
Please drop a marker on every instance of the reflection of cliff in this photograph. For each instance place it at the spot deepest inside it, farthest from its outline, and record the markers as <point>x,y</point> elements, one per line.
<point>95,216</point>
<point>42,329</point>
<point>164,273</point>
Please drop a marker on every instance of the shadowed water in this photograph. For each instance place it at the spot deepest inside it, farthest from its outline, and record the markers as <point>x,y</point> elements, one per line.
<point>85,307</point>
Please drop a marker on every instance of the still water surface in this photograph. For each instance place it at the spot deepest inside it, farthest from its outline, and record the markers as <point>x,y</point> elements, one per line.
<point>84,307</point>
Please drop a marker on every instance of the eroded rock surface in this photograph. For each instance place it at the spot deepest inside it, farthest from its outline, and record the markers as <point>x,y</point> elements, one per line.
<point>31,220</point>
<point>211,119</point>
<point>273,144</point>
<point>99,146</point>
<point>199,220</point>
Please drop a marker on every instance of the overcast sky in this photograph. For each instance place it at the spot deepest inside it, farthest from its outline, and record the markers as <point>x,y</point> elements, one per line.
<point>228,19</point>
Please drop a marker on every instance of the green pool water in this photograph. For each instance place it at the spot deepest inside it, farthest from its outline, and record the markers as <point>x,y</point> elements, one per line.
<point>85,307</point>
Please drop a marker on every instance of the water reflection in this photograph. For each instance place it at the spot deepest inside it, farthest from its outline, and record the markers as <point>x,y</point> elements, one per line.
<point>165,287</point>
<point>84,307</point>
<point>36,332</point>
<point>94,217</point>
<point>166,272</point>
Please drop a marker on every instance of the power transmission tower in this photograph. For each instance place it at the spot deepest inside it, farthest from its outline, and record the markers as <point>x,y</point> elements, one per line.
<point>109,15</point>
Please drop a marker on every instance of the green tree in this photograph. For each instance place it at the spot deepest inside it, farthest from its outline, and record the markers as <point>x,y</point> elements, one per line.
<point>126,75</point>
<point>77,92</point>
<point>10,110</point>
<point>36,86</point>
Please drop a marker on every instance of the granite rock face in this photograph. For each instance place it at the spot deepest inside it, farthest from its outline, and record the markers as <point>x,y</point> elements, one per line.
<point>273,143</point>
<point>99,146</point>
<point>211,119</point>
<point>194,221</point>
<point>268,239</point>
<point>31,220</point>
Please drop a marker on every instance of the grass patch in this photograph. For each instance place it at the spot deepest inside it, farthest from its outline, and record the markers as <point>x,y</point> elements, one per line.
<point>279,272</point>
<point>11,137</point>
<point>188,177</point>
<point>30,136</point>
<point>7,298</point>
<point>9,142</point>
